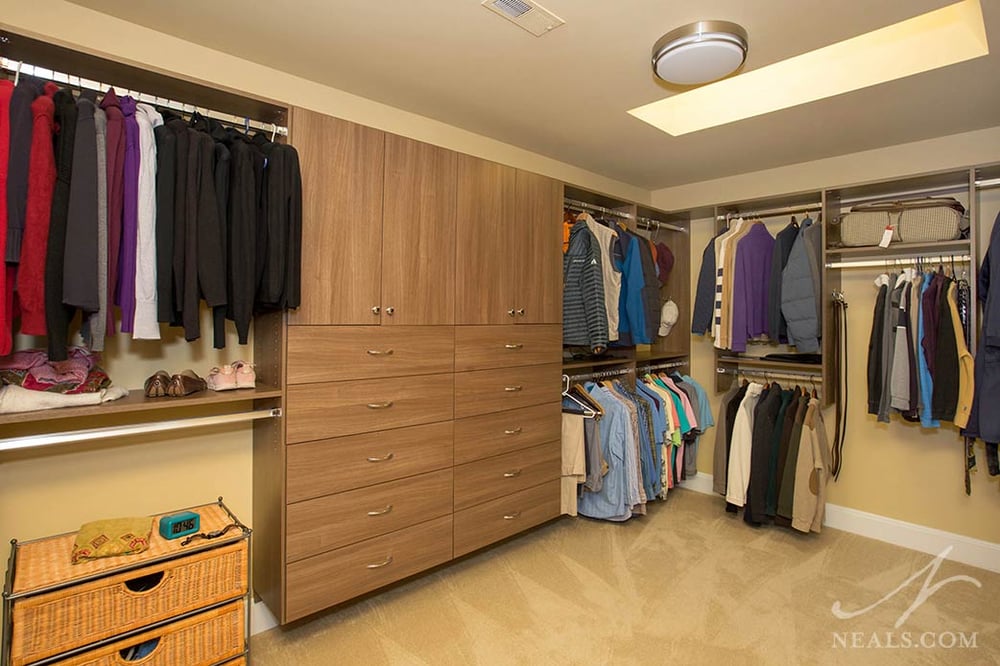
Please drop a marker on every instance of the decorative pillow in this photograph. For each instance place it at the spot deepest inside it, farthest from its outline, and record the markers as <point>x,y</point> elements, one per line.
<point>110,537</point>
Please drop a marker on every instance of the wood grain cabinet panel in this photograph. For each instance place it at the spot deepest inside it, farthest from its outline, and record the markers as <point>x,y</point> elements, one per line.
<point>418,233</point>
<point>497,433</point>
<point>488,391</point>
<point>342,174</point>
<point>333,409</point>
<point>330,522</point>
<point>484,272</point>
<point>501,518</point>
<point>536,247</point>
<point>334,465</point>
<point>490,478</point>
<point>339,353</point>
<point>487,347</point>
<point>322,581</point>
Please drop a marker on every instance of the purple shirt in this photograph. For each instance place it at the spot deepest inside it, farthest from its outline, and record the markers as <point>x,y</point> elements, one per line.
<point>750,286</point>
<point>125,294</point>
<point>115,151</point>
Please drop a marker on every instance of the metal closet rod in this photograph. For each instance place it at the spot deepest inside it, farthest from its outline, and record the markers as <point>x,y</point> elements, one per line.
<point>774,212</point>
<point>661,366</point>
<point>573,203</point>
<point>69,436</point>
<point>786,374</point>
<point>901,261</point>
<point>599,374</point>
<point>19,68</point>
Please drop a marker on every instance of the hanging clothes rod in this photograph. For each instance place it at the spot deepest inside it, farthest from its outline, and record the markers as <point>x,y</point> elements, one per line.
<point>900,261</point>
<point>69,436</point>
<point>660,225</point>
<point>987,184</point>
<point>763,372</point>
<point>599,374</point>
<point>774,212</point>
<point>660,366</point>
<point>19,68</point>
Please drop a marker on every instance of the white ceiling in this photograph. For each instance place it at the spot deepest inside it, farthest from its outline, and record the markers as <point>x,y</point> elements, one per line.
<point>565,95</point>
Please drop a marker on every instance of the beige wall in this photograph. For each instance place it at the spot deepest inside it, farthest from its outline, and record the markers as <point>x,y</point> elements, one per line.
<point>897,470</point>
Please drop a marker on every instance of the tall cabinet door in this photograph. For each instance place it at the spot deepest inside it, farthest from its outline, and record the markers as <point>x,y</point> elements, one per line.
<point>418,233</point>
<point>537,238</point>
<point>484,272</point>
<point>341,165</point>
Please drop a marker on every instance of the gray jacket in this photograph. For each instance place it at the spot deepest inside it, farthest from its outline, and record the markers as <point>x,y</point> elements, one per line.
<point>800,290</point>
<point>585,318</point>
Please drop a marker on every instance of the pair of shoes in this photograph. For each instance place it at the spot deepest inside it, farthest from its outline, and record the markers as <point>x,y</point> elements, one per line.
<point>235,375</point>
<point>185,383</point>
<point>156,384</point>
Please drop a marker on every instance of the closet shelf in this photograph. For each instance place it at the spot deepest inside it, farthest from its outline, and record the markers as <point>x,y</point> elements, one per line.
<point>652,356</point>
<point>901,250</point>
<point>595,363</point>
<point>137,403</point>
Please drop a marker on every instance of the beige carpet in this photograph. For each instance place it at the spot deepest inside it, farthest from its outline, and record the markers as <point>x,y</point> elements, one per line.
<point>688,584</point>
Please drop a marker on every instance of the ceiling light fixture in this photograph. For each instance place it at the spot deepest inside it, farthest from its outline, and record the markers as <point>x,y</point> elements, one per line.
<point>942,37</point>
<point>700,52</point>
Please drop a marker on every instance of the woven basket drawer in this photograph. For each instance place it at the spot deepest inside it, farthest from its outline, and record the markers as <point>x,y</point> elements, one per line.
<point>53,622</point>
<point>200,640</point>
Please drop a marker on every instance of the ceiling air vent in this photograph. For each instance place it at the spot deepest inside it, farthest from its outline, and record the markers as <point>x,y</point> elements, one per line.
<point>527,14</point>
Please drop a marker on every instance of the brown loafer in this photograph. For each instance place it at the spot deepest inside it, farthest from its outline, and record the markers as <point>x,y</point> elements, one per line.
<point>156,385</point>
<point>185,383</point>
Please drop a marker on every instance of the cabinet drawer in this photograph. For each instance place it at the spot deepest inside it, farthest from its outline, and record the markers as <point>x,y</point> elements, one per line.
<point>495,477</point>
<point>319,411</point>
<point>486,347</point>
<point>488,391</point>
<point>53,622</point>
<point>201,640</point>
<point>498,519</point>
<point>502,432</point>
<point>334,521</point>
<point>334,465</point>
<point>334,577</point>
<point>337,353</point>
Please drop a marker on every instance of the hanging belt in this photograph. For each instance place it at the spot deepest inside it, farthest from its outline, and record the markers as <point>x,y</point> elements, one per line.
<point>840,393</point>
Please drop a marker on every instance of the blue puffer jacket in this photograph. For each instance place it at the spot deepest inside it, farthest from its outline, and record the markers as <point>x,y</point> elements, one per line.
<point>984,421</point>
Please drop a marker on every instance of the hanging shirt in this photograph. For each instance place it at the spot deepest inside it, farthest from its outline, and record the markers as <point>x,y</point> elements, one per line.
<point>738,474</point>
<point>146,327</point>
<point>751,282</point>
<point>611,262</point>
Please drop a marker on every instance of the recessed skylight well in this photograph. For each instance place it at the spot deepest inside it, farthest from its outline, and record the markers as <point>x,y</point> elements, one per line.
<point>943,37</point>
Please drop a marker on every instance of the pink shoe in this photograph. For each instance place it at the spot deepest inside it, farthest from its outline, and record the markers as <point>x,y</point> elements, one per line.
<point>246,376</point>
<point>222,379</point>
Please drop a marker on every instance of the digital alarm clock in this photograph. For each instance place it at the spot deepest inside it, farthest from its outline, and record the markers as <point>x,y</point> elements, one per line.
<point>179,524</point>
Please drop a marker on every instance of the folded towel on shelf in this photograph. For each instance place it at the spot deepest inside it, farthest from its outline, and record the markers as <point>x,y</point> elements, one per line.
<point>15,399</point>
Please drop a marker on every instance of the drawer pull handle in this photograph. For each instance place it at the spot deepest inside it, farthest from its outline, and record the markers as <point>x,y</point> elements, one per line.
<point>513,431</point>
<point>380,405</point>
<point>377,459</point>
<point>378,352</point>
<point>514,473</point>
<point>512,389</point>
<point>514,346</point>
<point>520,311</point>
<point>381,512</point>
<point>510,313</point>
<point>512,516</point>
<point>384,563</point>
<point>152,643</point>
<point>144,584</point>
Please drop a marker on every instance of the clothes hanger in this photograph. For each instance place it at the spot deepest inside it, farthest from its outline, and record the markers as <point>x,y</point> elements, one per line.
<point>581,394</point>
<point>587,411</point>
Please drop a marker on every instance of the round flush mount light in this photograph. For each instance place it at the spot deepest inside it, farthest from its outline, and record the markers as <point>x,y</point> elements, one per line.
<point>700,52</point>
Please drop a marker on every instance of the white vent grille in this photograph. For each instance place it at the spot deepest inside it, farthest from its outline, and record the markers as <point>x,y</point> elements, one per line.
<point>525,13</point>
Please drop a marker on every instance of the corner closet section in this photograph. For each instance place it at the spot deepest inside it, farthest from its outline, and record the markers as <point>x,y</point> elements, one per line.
<point>422,368</point>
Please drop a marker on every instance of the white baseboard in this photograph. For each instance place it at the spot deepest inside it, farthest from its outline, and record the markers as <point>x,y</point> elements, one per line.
<point>975,552</point>
<point>261,618</point>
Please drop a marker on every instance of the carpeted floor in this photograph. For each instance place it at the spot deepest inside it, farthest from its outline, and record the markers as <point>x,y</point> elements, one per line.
<point>688,584</point>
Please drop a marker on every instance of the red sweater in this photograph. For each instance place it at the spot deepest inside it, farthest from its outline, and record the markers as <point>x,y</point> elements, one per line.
<point>41,181</point>
<point>6,88</point>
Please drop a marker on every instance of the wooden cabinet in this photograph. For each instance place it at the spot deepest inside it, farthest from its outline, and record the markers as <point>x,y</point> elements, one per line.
<point>342,168</point>
<point>191,599</point>
<point>508,265</point>
<point>379,244</point>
